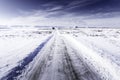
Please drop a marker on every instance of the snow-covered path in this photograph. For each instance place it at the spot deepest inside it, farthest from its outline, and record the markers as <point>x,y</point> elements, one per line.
<point>57,61</point>
<point>63,58</point>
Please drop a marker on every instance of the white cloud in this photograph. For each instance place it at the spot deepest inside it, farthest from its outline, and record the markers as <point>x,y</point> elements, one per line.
<point>44,18</point>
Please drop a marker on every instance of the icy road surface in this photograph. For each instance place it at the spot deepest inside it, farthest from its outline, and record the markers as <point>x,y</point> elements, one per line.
<point>63,57</point>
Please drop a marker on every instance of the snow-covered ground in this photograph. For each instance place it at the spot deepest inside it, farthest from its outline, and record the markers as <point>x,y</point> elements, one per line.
<point>16,44</point>
<point>75,54</point>
<point>105,42</point>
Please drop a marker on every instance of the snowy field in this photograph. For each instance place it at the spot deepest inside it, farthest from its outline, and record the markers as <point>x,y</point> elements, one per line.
<point>70,54</point>
<point>16,44</point>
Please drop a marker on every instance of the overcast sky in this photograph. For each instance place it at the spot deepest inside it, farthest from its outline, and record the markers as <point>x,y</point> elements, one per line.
<point>57,12</point>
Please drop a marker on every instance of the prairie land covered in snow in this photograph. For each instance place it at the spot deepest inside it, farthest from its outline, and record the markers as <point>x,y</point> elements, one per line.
<point>65,54</point>
<point>16,44</point>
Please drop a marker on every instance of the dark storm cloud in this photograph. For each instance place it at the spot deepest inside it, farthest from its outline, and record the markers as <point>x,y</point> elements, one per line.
<point>60,7</point>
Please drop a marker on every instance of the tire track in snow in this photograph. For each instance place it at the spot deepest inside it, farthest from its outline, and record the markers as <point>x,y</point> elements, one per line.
<point>68,67</point>
<point>80,67</point>
<point>53,69</point>
<point>16,71</point>
<point>75,68</point>
<point>39,69</point>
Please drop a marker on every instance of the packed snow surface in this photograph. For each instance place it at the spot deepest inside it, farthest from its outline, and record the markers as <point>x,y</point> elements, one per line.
<point>75,54</point>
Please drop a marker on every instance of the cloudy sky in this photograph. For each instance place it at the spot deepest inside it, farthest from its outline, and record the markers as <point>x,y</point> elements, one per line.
<point>59,12</point>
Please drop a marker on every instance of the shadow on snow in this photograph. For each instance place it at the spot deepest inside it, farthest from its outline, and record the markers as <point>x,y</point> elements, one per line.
<point>16,71</point>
